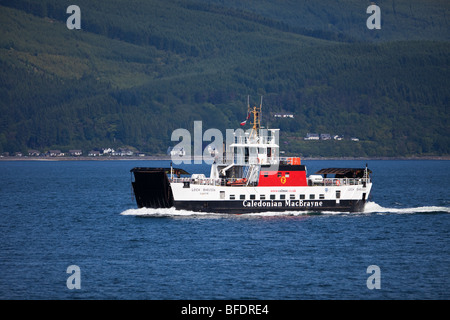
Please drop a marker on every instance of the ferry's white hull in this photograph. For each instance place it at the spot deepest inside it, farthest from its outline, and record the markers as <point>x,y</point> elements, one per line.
<point>244,199</point>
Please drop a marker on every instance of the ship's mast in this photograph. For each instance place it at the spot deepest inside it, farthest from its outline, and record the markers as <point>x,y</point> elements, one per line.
<point>256,124</point>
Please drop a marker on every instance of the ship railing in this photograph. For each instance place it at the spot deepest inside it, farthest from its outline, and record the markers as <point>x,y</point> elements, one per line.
<point>240,181</point>
<point>202,182</point>
<point>205,182</point>
<point>249,160</point>
<point>211,182</point>
<point>342,181</point>
<point>251,140</point>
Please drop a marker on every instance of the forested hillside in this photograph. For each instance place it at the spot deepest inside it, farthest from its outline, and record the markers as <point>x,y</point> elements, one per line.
<point>137,70</point>
<point>400,19</point>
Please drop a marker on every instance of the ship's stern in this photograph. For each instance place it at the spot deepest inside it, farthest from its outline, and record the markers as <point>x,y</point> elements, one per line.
<point>151,188</point>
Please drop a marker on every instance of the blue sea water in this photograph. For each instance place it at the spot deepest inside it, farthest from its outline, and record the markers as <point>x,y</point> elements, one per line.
<point>55,214</point>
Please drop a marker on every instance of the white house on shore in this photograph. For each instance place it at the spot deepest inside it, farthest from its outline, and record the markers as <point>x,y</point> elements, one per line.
<point>33,153</point>
<point>75,153</point>
<point>55,153</point>
<point>94,153</point>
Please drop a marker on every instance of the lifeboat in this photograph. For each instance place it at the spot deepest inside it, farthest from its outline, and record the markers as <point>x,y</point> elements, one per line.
<point>238,182</point>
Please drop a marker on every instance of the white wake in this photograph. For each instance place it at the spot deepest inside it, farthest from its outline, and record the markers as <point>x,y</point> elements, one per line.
<point>370,208</point>
<point>162,212</point>
<point>172,212</point>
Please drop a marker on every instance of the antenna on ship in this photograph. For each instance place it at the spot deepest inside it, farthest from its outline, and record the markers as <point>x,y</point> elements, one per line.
<point>256,125</point>
<point>260,110</point>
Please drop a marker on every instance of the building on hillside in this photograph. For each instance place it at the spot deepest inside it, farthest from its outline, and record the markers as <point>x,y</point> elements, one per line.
<point>284,115</point>
<point>312,136</point>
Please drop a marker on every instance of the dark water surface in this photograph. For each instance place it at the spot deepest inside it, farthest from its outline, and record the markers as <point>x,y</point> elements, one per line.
<point>57,214</point>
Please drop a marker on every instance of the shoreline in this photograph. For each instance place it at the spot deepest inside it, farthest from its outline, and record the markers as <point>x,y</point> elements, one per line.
<point>166,158</point>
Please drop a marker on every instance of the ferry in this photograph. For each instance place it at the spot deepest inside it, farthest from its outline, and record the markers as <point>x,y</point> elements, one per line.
<point>250,178</point>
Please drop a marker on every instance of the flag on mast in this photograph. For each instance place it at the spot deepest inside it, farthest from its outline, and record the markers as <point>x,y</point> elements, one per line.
<point>243,123</point>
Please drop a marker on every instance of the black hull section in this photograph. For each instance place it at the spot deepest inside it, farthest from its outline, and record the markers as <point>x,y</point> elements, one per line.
<point>239,207</point>
<point>152,188</point>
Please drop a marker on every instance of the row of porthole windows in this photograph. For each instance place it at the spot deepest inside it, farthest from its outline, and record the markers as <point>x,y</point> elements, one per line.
<point>273,197</point>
